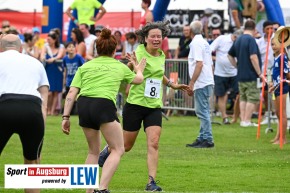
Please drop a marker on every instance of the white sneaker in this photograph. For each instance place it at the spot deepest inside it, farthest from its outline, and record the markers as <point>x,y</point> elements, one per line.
<point>218,114</point>
<point>242,123</point>
<point>265,121</point>
<point>248,124</point>
<point>274,119</point>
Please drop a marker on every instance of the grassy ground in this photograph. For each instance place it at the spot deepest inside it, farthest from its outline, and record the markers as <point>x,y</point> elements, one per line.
<point>238,163</point>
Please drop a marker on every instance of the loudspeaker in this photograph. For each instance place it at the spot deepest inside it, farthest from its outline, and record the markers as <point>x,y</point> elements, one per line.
<point>250,8</point>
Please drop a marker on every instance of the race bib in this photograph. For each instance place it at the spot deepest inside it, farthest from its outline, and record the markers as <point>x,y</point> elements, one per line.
<point>152,88</point>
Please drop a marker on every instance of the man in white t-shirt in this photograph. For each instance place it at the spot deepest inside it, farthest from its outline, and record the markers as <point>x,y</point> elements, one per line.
<point>89,38</point>
<point>23,99</point>
<point>262,43</point>
<point>200,67</point>
<point>225,74</point>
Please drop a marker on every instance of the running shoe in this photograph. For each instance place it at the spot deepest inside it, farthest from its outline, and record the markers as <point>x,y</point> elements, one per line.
<point>103,156</point>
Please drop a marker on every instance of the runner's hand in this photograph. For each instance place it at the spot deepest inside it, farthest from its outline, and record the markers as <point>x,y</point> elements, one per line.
<point>140,66</point>
<point>66,126</point>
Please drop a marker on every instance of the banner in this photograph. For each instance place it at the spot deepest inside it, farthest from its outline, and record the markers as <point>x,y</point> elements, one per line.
<point>123,21</point>
<point>180,18</point>
<point>24,22</point>
<point>51,176</point>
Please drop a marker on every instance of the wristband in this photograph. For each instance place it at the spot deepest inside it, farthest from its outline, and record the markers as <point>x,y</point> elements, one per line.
<point>66,116</point>
<point>169,83</point>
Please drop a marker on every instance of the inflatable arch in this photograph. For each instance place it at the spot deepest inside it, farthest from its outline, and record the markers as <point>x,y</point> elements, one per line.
<point>274,11</point>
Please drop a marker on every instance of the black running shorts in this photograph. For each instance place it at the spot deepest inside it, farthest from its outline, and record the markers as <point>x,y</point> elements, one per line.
<point>133,115</point>
<point>95,111</point>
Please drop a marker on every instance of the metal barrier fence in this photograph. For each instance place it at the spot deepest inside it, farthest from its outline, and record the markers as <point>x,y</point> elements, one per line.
<point>177,71</point>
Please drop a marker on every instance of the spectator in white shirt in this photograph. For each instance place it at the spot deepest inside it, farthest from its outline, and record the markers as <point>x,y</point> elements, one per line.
<point>89,38</point>
<point>225,74</point>
<point>130,45</point>
<point>23,99</point>
<point>200,71</point>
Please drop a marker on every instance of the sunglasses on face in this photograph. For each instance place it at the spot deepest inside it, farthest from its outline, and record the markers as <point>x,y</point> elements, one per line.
<point>5,26</point>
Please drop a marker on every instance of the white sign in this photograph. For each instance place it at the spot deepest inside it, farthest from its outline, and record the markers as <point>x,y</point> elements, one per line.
<point>51,176</point>
<point>286,13</point>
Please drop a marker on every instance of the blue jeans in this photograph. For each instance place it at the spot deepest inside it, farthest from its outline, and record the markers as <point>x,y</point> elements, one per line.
<point>202,110</point>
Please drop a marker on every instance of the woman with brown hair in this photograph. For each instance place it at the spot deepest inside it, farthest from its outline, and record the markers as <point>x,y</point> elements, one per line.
<point>78,39</point>
<point>120,45</point>
<point>97,83</point>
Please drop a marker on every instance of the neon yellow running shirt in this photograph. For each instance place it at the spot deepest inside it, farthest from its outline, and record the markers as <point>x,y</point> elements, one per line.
<point>86,10</point>
<point>101,78</point>
<point>149,93</point>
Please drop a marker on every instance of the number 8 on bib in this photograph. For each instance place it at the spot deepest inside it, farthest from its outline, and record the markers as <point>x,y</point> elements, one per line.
<point>152,88</point>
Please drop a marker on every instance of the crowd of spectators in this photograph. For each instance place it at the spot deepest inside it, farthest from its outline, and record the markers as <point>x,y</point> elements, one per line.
<point>62,59</point>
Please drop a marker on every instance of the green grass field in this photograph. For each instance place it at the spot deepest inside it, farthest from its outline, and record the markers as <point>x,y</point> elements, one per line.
<point>238,163</point>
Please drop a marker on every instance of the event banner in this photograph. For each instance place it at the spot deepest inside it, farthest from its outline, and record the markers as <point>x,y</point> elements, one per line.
<point>51,176</point>
<point>179,18</point>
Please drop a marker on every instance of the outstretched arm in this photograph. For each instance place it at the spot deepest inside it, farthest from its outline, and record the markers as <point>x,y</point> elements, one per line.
<point>174,86</point>
<point>137,67</point>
